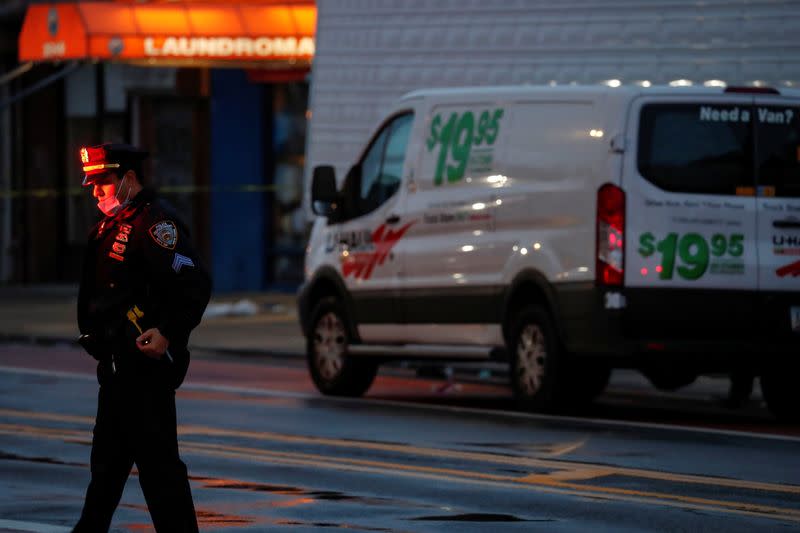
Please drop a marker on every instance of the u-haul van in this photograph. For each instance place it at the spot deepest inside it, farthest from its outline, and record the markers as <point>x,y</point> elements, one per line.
<point>569,230</point>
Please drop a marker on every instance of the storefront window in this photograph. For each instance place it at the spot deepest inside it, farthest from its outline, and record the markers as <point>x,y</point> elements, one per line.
<point>288,223</point>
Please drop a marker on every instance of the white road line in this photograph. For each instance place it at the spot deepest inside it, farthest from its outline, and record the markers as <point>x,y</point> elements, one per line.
<point>35,527</point>
<point>48,373</point>
<point>427,407</point>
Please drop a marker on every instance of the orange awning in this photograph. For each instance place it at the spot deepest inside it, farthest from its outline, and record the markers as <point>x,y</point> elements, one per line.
<point>200,33</point>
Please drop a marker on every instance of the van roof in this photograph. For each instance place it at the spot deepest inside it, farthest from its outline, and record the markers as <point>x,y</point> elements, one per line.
<point>625,91</point>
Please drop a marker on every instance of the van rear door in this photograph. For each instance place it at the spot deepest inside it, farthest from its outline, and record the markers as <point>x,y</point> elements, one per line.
<point>691,266</point>
<point>777,164</point>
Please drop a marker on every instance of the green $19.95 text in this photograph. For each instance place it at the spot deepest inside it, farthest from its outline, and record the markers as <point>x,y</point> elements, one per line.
<point>693,250</point>
<point>457,136</point>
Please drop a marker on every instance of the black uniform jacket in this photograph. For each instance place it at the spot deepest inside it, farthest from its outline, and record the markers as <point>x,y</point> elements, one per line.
<point>141,271</point>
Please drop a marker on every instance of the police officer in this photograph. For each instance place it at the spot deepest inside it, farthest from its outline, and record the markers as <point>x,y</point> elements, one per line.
<point>143,289</point>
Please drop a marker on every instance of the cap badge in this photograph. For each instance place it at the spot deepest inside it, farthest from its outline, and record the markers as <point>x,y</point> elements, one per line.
<point>52,22</point>
<point>165,234</point>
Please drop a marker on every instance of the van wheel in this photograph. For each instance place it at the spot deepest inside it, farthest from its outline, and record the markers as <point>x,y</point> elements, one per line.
<point>535,363</point>
<point>779,388</point>
<point>332,370</point>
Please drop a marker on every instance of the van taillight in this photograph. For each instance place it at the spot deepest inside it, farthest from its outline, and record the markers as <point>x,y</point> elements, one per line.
<point>609,267</point>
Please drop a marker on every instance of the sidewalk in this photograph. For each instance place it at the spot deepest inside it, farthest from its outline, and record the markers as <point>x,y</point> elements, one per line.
<point>257,322</point>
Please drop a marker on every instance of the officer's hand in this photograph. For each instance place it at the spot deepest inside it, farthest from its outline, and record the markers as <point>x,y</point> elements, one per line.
<point>152,343</point>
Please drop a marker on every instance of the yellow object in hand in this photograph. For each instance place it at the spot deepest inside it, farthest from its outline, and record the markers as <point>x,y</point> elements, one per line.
<point>134,314</point>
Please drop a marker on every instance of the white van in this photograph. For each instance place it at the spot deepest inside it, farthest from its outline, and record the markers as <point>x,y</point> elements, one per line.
<point>569,230</point>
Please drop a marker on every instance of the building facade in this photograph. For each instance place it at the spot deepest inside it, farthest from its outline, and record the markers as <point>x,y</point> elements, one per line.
<point>370,52</point>
<point>215,91</point>
<point>223,106</point>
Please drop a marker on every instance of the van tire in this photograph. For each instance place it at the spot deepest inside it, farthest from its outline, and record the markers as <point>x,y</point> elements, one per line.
<point>535,359</point>
<point>334,372</point>
<point>779,388</point>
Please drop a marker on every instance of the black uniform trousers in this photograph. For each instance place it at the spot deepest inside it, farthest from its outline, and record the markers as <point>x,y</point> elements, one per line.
<point>136,424</point>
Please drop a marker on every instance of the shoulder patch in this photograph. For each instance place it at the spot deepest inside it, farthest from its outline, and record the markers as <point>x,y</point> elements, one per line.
<point>165,234</point>
<point>181,261</point>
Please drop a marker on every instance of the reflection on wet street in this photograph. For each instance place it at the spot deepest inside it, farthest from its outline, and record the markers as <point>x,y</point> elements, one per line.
<point>274,459</point>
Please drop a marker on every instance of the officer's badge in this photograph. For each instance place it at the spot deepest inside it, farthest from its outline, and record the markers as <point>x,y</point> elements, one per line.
<point>118,248</point>
<point>165,234</point>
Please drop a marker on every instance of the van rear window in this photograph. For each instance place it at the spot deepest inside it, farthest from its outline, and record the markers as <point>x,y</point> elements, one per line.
<point>696,148</point>
<point>778,150</point>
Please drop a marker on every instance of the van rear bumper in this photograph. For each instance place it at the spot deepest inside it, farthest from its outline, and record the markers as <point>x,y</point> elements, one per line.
<point>711,327</point>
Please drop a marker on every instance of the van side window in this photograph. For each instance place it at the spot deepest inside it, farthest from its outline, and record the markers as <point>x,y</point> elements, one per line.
<point>371,166</point>
<point>778,150</point>
<point>382,166</point>
<point>696,148</point>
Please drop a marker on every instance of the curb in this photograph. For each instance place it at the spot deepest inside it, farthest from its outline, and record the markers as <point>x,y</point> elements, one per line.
<point>40,340</point>
<point>250,352</point>
<point>46,340</point>
<point>424,369</point>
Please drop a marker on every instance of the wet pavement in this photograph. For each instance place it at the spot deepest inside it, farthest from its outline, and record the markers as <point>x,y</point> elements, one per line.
<point>278,457</point>
<point>267,453</point>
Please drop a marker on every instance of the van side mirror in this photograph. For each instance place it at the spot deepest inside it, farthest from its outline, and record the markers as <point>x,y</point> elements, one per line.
<point>324,198</point>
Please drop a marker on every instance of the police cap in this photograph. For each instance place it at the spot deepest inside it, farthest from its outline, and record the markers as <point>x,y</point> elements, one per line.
<point>98,160</point>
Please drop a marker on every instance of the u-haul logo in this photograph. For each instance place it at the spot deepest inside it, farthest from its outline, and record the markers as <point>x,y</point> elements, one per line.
<point>792,269</point>
<point>361,265</point>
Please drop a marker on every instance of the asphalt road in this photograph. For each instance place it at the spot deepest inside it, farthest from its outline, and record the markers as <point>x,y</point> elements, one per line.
<point>266,453</point>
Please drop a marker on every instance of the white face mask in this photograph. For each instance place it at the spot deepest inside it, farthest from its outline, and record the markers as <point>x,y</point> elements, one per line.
<point>109,205</point>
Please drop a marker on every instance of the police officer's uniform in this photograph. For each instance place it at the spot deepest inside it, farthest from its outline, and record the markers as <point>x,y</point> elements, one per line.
<point>140,272</point>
